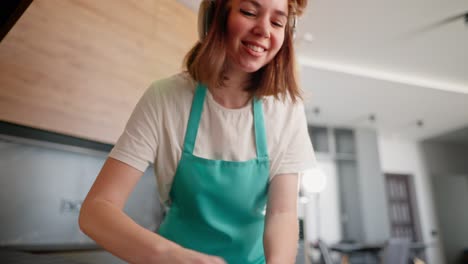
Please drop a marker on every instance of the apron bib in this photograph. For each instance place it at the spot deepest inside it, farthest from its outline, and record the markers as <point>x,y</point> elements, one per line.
<point>218,206</point>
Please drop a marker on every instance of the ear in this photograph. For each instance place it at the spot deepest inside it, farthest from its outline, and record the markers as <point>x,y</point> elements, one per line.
<point>293,25</point>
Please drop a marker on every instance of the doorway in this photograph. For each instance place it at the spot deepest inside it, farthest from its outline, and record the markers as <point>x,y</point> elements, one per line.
<point>401,206</point>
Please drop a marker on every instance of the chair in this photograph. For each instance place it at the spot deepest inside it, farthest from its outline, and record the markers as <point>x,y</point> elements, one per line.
<point>300,256</point>
<point>397,251</point>
<point>325,256</point>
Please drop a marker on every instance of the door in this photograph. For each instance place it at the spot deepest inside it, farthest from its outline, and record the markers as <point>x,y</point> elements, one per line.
<point>400,197</point>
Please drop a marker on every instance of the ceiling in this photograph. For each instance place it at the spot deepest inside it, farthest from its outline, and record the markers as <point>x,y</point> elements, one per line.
<point>387,59</point>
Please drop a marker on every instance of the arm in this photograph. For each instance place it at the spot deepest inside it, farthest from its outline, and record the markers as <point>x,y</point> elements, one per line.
<point>102,218</point>
<point>281,223</point>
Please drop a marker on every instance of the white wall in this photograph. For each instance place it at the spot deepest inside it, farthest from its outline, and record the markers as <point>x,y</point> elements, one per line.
<point>374,206</point>
<point>405,156</point>
<point>330,228</point>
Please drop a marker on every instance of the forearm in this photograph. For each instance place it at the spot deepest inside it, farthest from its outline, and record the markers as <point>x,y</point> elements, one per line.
<point>281,237</point>
<point>119,234</point>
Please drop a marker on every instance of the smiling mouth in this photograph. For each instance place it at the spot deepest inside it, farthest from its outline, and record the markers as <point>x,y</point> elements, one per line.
<point>253,47</point>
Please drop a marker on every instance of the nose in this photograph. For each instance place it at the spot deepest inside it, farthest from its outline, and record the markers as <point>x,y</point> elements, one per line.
<point>262,27</point>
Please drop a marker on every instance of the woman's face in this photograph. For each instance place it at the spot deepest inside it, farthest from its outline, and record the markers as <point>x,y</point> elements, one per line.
<point>256,31</point>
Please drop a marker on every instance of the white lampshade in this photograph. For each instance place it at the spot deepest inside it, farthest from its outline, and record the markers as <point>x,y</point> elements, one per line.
<point>313,181</point>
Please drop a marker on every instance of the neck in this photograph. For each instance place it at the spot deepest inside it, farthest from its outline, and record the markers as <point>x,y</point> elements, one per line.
<point>232,93</point>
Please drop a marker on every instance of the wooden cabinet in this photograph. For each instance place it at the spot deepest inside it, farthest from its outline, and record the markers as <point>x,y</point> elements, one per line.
<point>78,67</point>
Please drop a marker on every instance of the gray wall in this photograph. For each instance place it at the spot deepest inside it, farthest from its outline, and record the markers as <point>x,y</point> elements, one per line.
<point>350,200</point>
<point>41,190</point>
<point>451,199</point>
<point>376,227</point>
<point>448,166</point>
<point>445,158</point>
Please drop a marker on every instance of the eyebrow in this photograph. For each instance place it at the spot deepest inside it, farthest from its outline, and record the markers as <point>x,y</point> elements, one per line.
<point>258,5</point>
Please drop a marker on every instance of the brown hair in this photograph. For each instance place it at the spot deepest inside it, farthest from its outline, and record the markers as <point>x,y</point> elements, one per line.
<point>205,61</point>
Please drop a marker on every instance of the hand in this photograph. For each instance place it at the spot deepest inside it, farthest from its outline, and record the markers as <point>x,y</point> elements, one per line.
<point>182,255</point>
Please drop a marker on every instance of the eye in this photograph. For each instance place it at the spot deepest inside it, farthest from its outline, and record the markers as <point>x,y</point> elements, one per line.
<point>277,24</point>
<point>247,13</point>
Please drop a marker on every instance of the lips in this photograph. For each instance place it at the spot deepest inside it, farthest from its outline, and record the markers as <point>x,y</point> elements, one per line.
<point>254,46</point>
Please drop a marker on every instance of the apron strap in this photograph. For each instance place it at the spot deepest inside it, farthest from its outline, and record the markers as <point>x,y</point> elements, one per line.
<point>259,127</point>
<point>195,116</point>
<point>194,119</point>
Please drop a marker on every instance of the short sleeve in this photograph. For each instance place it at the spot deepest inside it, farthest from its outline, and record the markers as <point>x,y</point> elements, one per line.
<point>137,145</point>
<point>297,154</point>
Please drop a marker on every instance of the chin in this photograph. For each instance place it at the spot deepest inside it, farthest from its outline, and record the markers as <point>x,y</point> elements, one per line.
<point>247,66</point>
<point>251,68</point>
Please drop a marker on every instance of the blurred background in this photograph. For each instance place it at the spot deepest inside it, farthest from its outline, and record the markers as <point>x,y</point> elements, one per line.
<point>386,96</point>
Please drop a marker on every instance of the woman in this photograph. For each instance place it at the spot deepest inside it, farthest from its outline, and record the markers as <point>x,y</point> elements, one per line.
<point>228,139</point>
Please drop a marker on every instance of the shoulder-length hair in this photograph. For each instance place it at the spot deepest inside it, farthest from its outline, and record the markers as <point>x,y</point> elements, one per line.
<point>205,62</point>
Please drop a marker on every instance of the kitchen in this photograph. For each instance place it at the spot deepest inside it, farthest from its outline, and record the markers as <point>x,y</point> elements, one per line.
<point>56,129</point>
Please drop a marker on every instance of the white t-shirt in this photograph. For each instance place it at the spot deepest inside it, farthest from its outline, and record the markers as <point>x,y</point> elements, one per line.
<point>156,129</point>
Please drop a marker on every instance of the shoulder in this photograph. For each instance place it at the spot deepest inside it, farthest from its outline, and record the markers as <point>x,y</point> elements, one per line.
<point>166,94</point>
<point>171,97</point>
<point>283,118</point>
<point>282,108</point>
<point>177,85</point>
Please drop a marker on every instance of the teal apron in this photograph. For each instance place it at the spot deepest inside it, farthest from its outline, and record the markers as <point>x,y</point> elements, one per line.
<point>218,206</point>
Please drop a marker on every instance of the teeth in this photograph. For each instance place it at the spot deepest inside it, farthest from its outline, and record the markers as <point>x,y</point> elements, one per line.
<point>255,48</point>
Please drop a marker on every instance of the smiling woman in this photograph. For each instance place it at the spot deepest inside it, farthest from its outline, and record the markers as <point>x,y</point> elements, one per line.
<point>267,24</point>
<point>269,29</point>
<point>228,139</point>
